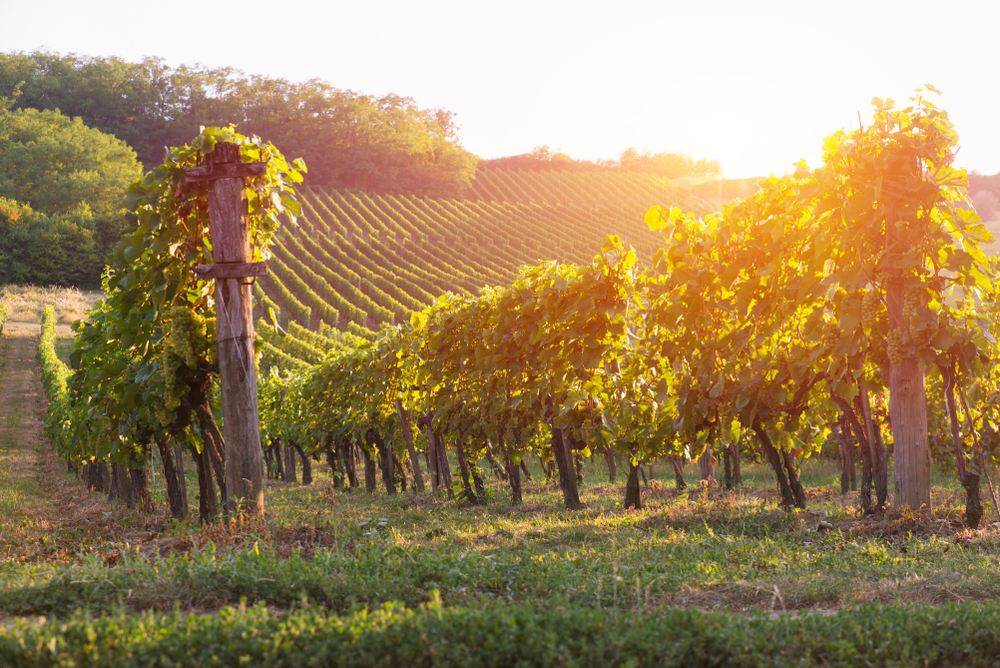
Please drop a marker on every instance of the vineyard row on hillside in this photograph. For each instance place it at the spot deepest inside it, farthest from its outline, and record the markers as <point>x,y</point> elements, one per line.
<point>360,260</point>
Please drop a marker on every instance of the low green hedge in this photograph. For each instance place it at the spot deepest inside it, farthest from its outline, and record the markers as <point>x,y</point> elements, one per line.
<point>507,635</point>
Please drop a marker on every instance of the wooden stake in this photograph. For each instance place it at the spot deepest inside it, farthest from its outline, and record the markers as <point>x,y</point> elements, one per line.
<point>229,222</point>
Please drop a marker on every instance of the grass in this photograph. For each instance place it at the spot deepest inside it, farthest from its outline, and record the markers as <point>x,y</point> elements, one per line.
<point>341,550</point>
<point>699,577</point>
<point>27,302</point>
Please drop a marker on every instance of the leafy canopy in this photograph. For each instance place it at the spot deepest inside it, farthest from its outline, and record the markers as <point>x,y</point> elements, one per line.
<point>58,165</point>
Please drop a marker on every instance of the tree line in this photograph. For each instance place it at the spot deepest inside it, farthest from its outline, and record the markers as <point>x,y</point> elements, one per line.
<point>672,165</point>
<point>349,140</point>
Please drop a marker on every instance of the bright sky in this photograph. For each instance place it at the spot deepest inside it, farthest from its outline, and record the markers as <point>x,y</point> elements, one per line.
<point>756,85</point>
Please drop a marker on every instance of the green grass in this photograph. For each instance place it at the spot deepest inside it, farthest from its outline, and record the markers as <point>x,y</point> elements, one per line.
<point>507,635</point>
<point>604,585</point>
<point>343,549</point>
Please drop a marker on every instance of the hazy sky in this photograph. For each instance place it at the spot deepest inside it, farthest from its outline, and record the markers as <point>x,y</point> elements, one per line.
<point>756,85</point>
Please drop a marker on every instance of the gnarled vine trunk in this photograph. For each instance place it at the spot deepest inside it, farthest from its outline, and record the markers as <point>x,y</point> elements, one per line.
<point>633,495</point>
<point>798,492</point>
<point>139,483</point>
<point>207,502</point>
<point>444,467</point>
<point>848,482</point>
<point>564,463</point>
<point>369,471</point>
<point>384,454</point>
<point>307,475</point>
<point>878,457</point>
<point>513,474</point>
<point>860,435</point>
<point>609,459</point>
<point>333,461</point>
<point>731,461</point>
<point>463,466</point>
<point>175,496</point>
<point>968,478</point>
<point>290,467</point>
<point>347,452</point>
<point>774,458</point>
<point>212,442</point>
<point>97,477</point>
<point>677,464</point>
<point>418,478</point>
<point>706,467</point>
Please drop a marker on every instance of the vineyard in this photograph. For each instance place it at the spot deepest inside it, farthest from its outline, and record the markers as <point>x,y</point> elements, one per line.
<point>461,403</point>
<point>360,260</point>
<point>402,325</point>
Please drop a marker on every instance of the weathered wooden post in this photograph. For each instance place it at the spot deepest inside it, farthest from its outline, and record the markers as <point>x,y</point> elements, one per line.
<point>229,222</point>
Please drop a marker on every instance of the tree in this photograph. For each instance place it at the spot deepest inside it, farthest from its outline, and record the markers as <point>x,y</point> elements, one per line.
<point>58,165</point>
<point>671,165</point>
<point>46,250</point>
<point>350,140</point>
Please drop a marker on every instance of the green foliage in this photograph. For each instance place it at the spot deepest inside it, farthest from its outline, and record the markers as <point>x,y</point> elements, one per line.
<point>772,310</point>
<point>61,189</point>
<point>55,376</point>
<point>145,358</point>
<point>47,250</point>
<point>58,165</point>
<point>501,635</point>
<point>350,140</point>
<point>763,317</point>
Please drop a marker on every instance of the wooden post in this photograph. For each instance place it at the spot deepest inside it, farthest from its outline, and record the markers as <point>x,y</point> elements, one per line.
<point>229,222</point>
<point>908,414</point>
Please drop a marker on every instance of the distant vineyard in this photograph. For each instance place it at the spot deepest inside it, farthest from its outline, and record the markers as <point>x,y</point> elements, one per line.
<point>359,260</point>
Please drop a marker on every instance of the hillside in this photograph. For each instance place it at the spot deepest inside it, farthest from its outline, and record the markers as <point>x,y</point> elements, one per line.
<point>358,260</point>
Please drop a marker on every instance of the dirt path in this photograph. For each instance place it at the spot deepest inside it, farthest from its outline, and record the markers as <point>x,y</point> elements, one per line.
<point>44,509</point>
<point>22,408</point>
<point>34,329</point>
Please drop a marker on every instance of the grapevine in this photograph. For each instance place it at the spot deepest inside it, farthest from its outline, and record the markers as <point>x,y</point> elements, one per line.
<point>831,335</point>
<point>871,308</point>
<point>894,346</point>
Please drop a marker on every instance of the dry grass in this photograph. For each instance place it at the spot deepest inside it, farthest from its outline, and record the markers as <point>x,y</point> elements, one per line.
<point>28,301</point>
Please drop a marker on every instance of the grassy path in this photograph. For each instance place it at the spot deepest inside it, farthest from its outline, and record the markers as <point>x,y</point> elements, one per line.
<point>43,508</point>
<point>22,411</point>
